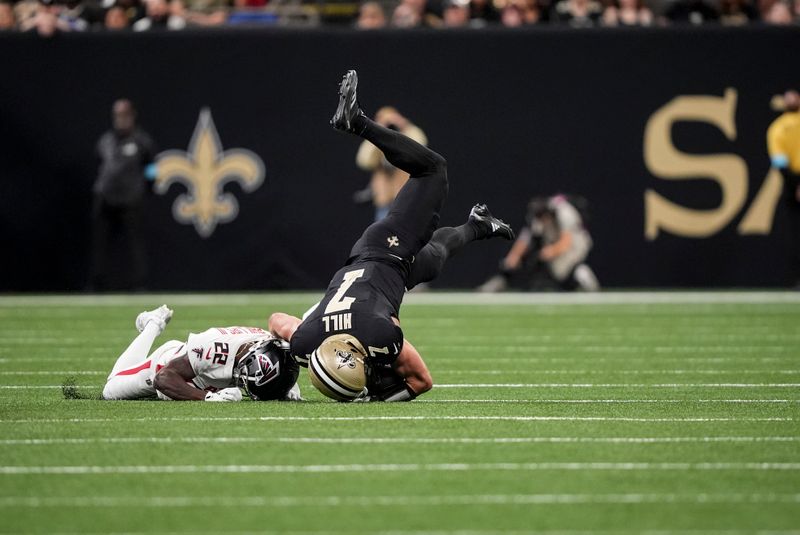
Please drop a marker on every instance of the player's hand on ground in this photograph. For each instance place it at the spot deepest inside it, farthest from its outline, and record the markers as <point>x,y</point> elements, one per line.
<point>226,394</point>
<point>293,394</point>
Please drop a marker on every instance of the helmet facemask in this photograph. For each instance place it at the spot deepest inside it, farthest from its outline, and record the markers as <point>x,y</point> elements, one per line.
<point>256,368</point>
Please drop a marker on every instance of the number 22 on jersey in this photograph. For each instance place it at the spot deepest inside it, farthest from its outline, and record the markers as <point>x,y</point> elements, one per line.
<point>340,303</point>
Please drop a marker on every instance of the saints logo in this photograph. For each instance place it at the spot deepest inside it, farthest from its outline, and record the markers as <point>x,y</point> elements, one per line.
<point>204,169</point>
<point>344,358</point>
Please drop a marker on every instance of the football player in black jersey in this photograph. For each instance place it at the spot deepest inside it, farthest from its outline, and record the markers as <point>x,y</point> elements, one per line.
<point>395,254</point>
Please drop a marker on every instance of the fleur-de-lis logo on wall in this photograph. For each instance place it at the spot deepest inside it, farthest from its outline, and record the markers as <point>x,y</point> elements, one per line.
<point>204,169</point>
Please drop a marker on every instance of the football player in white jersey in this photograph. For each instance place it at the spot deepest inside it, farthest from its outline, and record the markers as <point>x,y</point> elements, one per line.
<point>210,366</point>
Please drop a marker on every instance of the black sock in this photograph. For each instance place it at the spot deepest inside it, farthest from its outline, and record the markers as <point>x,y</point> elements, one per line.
<point>454,238</point>
<point>444,243</point>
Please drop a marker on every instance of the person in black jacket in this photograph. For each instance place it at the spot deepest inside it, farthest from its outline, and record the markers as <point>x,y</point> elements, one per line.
<point>126,153</point>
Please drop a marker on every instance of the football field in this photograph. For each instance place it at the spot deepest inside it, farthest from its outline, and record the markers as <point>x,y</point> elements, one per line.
<point>563,415</point>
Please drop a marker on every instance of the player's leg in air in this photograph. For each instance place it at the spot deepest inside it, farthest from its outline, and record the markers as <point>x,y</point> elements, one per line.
<point>403,235</point>
<point>447,241</point>
<point>415,212</point>
<point>132,374</point>
<point>417,206</point>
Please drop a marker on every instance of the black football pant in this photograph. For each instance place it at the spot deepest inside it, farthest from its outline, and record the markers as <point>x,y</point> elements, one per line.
<point>791,181</point>
<point>109,224</point>
<point>414,215</point>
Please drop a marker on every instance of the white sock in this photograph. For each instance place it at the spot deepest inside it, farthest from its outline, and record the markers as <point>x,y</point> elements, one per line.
<point>403,393</point>
<point>586,279</point>
<point>138,350</point>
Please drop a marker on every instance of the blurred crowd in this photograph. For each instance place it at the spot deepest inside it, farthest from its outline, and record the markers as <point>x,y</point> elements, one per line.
<point>47,17</point>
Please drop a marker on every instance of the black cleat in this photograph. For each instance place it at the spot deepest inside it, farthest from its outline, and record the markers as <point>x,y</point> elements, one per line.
<point>481,215</point>
<point>348,110</point>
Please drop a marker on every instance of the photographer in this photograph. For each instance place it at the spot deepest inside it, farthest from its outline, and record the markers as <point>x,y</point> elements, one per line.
<point>555,237</point>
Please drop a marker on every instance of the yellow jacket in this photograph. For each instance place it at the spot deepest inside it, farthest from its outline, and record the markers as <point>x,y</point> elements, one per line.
<point>783,141</point>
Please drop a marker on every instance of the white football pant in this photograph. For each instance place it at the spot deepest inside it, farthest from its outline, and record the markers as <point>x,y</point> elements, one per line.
<point>133,373</point>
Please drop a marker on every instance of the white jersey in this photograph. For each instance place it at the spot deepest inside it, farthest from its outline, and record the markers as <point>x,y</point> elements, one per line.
<point>212,354</point>
<point>567,219</point>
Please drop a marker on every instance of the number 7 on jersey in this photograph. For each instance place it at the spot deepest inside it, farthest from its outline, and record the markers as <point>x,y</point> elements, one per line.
<point>339,302</point>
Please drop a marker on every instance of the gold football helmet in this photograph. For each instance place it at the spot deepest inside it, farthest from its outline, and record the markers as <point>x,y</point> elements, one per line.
<point>336,368</point>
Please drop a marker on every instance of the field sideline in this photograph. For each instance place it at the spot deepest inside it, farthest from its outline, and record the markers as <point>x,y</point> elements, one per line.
<point>615,413</point>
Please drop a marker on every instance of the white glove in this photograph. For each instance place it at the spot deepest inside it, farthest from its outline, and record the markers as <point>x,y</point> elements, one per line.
<point>363,397</point>
<point>226,394</point>
<point>293,394</point>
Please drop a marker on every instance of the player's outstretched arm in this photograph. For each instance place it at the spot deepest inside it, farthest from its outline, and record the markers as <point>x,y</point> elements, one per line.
<point>171,380</point>
<point>521,246</point>
<point>410,366</point>
<point>283,325</point>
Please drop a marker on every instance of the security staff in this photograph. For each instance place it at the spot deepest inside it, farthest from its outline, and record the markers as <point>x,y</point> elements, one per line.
<point>126,155</point>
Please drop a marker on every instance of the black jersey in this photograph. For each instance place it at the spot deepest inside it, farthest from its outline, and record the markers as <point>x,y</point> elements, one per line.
<point>361,300</point>
<point>363,296</point>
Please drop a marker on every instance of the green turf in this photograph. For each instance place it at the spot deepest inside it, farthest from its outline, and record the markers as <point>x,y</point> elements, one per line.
<point>622,418</point>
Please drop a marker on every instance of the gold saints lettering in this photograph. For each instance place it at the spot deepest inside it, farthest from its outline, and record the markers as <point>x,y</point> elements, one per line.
<point>729,171</point>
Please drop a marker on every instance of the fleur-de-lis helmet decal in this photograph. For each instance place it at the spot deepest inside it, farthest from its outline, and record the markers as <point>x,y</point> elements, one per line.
<point>204,169</point>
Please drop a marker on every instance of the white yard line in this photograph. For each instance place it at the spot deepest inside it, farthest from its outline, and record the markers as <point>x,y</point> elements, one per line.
<point>517,370</point>
<point>548,336</point>
<point>493,359</point>
<point>391,501</point>
<point>478,532</point>
<point>398,418</point>
<point>511,371</point>
<point>618,385</point>
<point>413,467</point>
<point>609,401</point>
<point>573,401</point>
<point>151,300</point>
<point>527,343</point>
<point>432,298</point>
<point>621,348</point>
<point>57,372</point>
<point>396,440</point>
<point>26,387</point>
<point>552,385</point>
<point>602,298</point>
